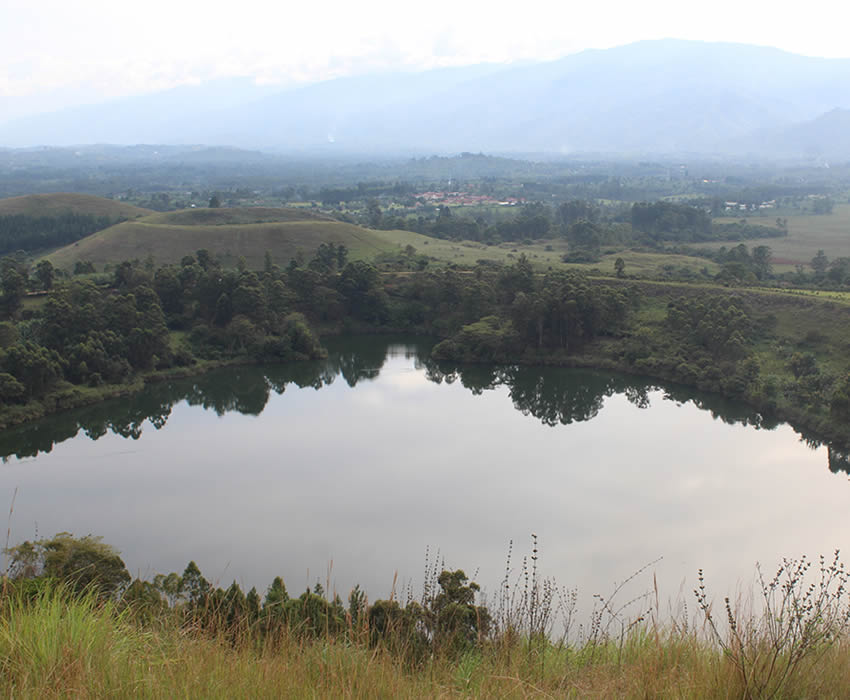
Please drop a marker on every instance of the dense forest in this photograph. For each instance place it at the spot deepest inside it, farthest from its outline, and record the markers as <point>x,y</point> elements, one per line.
<point>93,332</point>
<point>31,233</point>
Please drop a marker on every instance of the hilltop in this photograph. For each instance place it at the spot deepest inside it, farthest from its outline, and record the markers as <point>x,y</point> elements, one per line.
<point>58,203</point>
<point>236,216</point>
<point>229,233</point>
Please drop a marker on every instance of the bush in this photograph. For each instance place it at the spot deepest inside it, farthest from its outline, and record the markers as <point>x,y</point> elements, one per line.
<point>81,563</point>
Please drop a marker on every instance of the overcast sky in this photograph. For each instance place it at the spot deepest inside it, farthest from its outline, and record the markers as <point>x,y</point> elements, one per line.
<point>58,52</point>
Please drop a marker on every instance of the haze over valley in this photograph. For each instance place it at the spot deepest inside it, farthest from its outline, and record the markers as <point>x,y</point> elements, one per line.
<point>669,97</point>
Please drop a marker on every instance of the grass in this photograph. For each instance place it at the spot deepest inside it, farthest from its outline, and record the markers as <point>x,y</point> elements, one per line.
<point>286,232</point>
<point>469,252</point>
<point>54,644</point>
<point>168,243</point>
<point>543,254</point>
<point>806,235</point>
<point>64,202</point>
<point>653,265</point>
<point>789,640</point>
<point>234,216</point>
<point>59,646</point>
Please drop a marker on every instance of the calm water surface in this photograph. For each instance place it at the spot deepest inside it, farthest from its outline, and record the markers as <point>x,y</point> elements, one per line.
<point>349,470</point>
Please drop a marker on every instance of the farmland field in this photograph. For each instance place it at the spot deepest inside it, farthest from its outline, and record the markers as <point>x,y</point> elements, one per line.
<point>806,235</point>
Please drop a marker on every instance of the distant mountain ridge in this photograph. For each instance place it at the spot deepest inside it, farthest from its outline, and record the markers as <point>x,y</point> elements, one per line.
<point>651,97</point>
<point>826,136</point>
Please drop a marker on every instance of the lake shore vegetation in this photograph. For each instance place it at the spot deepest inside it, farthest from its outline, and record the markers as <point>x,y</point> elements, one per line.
<point>74,622</point>
<point>90,336</point>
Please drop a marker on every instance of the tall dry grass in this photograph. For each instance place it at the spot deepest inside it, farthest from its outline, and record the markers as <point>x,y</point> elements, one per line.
<point>54,643</point>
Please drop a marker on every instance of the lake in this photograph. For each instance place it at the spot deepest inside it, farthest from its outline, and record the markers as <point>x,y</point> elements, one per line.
<point>358,468</point>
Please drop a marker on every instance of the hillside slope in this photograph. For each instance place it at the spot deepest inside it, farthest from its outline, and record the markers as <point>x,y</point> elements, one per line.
<point>227,233</point>
<point>235,216</point>
<point>58,203</point>
<point>828,136</point>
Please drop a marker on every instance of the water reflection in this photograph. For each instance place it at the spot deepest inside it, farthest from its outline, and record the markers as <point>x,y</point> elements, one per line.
<point>262,485</point>
<point>839,460</point>
<point>554,396</point>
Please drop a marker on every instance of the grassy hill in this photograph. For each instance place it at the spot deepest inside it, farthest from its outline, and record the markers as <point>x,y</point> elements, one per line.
<point>227,233</point>
<point>235,216</point>
<point>65,202</point>
<point>285,232</point>
<point>543,254</point>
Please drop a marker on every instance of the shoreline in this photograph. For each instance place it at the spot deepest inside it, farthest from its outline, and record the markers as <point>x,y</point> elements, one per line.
<point>71,397</point>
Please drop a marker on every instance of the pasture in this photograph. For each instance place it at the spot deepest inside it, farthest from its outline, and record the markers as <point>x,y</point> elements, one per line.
<point>806,235</point>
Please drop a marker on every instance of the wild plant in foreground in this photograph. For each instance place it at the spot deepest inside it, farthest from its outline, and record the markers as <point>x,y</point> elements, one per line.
<point>528,605</point>
<point>803,614</point>
<point>52,635</point>
<point>612,621</point>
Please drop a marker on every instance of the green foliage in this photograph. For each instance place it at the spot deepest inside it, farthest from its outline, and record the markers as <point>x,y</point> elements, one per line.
<point>455,622</point>
<point>563,312</point>
<point>55,640</point>
<point>620,267</point>
<point>312,615</point>
<point>515,278</point>
<point>359,284</point>
<point>34,367</point>
<point>145,599</point>
<point>31,233</point>
<point>743,229</point>
<point>719,325</point>
<point>820,263</point>
<point>705,341</point>
<point>577,209</point>
<point>584,238</point>
<point>489,340</point>
<point>13,286</point>
<point>11,390</point>
<point>170,587</point>
<point>665,220</point>
<point>193,586</point>
<point>45,274</point>
<point>803,364</point>
<point>840,401</point>
<point>399,629</point>
<point>81,563</point>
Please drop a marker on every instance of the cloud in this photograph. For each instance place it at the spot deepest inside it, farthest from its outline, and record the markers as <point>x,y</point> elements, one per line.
<point>120,48</point>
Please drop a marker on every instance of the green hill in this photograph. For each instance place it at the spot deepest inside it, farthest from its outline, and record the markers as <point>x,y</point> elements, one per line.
<point>227,233</point>
<point>231,233</point>
<point>236,216</point>
<point>58,203</point>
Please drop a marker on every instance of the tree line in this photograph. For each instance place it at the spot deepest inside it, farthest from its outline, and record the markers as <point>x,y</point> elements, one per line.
<point>140,319</point>
<point>446,621</point>
<point>585,224</point>
<point>33,233</point>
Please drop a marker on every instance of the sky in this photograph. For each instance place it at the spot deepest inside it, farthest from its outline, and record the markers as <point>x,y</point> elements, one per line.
<point>56,53</point>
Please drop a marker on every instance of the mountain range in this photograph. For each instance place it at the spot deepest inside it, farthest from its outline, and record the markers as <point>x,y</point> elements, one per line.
<point>650,97</point>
